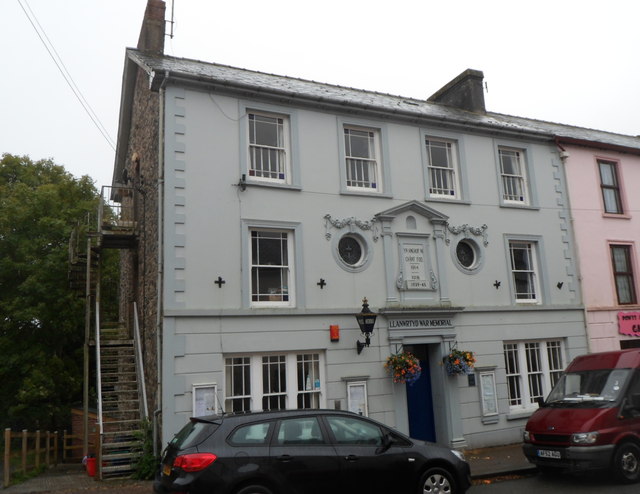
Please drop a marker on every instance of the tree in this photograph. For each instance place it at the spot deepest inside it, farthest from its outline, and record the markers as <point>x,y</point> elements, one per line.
<point>41,317</point>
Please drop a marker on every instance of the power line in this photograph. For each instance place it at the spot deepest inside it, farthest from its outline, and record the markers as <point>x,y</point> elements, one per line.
<point>65,73</point>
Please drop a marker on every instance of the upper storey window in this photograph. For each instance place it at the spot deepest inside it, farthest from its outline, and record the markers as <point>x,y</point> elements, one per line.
<point>610,187</point>
<point>362,156</point>
<point>443,168</point>
<point>514,176</point>
<point>269,147</point>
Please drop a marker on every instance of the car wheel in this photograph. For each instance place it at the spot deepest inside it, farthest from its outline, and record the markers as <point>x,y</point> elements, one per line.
<point>254,489</point>
<point>626,463</point>
<point>437,480</point>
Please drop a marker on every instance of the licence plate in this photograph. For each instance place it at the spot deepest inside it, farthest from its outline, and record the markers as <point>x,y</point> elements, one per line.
<point>166,470</point>
<point>547,453</point>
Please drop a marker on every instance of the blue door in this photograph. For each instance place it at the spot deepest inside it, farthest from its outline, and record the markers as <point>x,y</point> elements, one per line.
<point>420,405</point>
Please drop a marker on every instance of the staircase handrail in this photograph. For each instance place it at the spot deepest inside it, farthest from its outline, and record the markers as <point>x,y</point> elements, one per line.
<point>98,372</point>
<point>139,362</point>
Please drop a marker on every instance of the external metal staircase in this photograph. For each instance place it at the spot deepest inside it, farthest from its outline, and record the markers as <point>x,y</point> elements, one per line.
<point>119,371</point>
<point>119,404</point>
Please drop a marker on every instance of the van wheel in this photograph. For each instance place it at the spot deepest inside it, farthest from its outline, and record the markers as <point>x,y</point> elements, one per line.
<point>626,463</point>
<point>437,480</point>
<point>254,489</point>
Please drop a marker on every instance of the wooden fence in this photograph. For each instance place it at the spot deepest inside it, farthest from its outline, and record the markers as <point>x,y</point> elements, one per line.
<point>27,451</point>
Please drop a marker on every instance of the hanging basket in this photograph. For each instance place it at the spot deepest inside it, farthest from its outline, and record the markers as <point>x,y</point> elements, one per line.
<point>458,362</point>
<point>404,368</point>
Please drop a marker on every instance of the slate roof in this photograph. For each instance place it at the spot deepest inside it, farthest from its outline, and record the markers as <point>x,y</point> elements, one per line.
<point>336,97</point>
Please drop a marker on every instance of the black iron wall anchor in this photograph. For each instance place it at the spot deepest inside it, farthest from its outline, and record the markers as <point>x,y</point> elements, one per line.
<point>242,183</point>
<point>219,282</point>
<point>321,283</point>
<point>497,284</point>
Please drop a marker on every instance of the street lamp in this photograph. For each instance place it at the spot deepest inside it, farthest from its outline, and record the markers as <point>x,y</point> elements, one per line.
<point>366,320</point>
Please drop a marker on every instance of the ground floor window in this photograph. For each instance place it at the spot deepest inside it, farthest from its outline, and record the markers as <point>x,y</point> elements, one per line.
<point>532,367</point>
<point>274,381</point>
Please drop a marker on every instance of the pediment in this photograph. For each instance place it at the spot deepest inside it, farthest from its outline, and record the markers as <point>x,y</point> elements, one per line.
<point>415,207</point>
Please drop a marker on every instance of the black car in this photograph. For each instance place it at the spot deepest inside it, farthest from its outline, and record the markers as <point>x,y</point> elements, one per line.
<point>305,452</point>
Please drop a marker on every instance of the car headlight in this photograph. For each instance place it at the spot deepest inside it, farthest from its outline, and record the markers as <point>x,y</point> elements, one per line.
<point>584,438</point>
<point>526,436</point>
<point>458,454</point>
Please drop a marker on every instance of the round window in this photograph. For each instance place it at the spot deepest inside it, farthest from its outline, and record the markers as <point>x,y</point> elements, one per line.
<point>350,250</point>
<point>466,254</point>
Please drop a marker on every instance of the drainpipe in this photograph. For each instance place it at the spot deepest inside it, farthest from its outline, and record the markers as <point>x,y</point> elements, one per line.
<point>159,287</point>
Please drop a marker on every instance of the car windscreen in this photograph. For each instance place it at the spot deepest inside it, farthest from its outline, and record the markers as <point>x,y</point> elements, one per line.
<point>589,388</point>
<point>193,434</point>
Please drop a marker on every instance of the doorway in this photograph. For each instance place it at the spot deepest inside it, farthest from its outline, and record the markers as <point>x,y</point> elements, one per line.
<point>420,399</point>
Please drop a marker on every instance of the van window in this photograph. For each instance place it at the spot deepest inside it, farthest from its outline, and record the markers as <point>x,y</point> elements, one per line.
<point>604,385</point>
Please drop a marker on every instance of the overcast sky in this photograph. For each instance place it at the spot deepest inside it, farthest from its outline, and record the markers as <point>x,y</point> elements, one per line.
<point>575,62</point>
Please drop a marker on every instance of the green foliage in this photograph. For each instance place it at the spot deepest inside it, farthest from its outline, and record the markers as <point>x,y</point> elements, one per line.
<point>148,464</point>
<point>41,318</point>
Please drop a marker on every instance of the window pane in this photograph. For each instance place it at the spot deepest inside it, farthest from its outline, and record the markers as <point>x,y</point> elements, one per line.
<point>608,174</point>
<point>266,147</point>
<point>522,266</point>
<point>361,162</point>
<point>308,370</point>
<point>299,431</point>
<point>513,179</point>
<point>623,273</point>
<point>270,270</point>
<point>554,356</point>
<point>253,434</point>
<point>610,188</point>
<point>347,430</point>
<point>238,384</point>
<point>441,167</point>
<point>513,373</point>
<point>274,382</point>
<point>359,143</point>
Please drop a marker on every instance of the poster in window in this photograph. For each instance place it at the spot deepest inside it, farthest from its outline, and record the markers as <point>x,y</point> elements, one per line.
<point>204,399</point>
<point>357,396</point>
<point>488,393</point>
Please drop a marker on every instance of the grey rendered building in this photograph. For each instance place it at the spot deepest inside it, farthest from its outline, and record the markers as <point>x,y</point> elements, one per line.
<point>271,206</point>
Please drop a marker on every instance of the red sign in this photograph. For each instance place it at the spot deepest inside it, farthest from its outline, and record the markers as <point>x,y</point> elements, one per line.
<point>629,323</point>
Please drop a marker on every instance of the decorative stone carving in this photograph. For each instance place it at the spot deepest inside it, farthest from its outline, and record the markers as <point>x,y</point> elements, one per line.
<point>479,231</point>
<point>352,223</point>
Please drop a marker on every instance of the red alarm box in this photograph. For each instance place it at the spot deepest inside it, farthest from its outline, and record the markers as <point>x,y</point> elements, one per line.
<point>334,332</point>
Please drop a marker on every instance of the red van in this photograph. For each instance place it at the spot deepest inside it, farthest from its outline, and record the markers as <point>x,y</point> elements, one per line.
<point>591,418</point>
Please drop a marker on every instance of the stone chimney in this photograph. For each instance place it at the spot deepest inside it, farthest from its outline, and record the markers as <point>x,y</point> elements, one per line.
<point>151,38</point>
<point>464,92</point>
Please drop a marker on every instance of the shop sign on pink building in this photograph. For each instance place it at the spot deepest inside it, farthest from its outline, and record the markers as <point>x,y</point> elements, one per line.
<point>629,323</point>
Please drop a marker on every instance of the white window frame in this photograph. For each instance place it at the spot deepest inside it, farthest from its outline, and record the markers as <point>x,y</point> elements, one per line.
<point>287,286</point>
<point>295,260</point>
<point>314,385</point>
<point>452,170</point>
<point>533,368</point>
<point>364,169</point>
<point>290,146</point>
<point>282,149</point>
<point>532,272</point>
<point>378,153</point>
<point>517,179</point>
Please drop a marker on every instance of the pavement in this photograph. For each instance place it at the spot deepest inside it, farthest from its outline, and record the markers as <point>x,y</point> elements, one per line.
<point>72,478</point>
